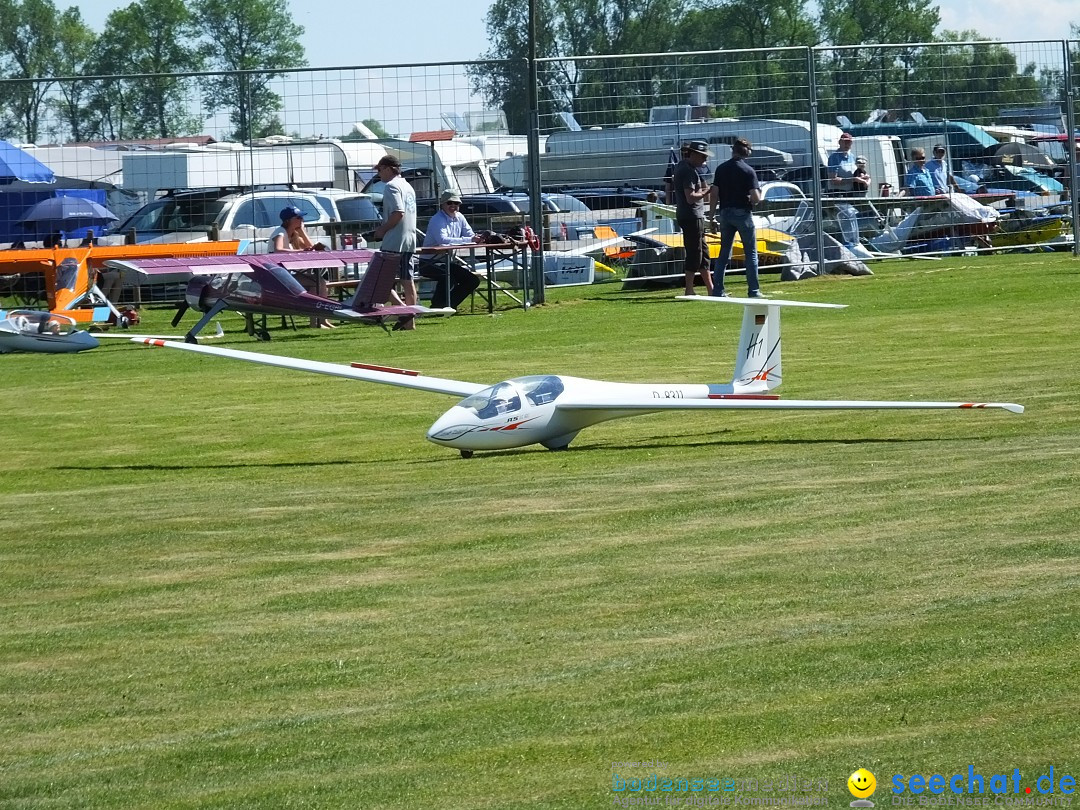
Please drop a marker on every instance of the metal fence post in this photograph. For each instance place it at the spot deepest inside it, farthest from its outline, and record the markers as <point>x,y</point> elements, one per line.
<point>1070,145</point>
<point>536,215</point>
<point>819,213</point>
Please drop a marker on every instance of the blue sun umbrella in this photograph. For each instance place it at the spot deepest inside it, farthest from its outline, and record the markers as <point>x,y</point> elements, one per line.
<point>66,215</point>
<point>15,164</point>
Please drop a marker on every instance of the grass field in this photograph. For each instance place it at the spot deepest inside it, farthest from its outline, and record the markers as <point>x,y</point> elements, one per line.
<point>224,585</point>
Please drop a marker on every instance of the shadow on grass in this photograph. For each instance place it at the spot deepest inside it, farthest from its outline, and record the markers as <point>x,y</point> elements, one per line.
<point>659,445</point>
<point>676,440</point>
<point>233,465</point>
<point>632,297</point>
<point>667,442</point>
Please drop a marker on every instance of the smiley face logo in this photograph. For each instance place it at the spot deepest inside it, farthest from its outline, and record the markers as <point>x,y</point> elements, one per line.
<point>862,784</point>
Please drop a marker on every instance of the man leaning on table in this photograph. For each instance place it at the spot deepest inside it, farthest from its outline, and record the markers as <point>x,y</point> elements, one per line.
<point>449,227</point>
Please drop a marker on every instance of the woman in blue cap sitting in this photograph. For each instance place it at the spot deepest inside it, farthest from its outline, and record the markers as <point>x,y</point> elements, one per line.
<point>292,237</point>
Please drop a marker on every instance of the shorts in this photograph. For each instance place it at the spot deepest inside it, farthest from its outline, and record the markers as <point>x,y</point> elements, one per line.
<point>406,267</point>
<point>694,245</point>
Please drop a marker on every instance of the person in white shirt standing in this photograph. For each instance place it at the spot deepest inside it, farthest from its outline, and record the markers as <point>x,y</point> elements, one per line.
<point>398,229</point>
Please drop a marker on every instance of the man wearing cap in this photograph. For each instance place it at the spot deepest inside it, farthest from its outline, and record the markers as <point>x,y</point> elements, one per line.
<point>398,228</point>
<point>842,168</point>
<point>449,227</point>
<point>690,191</point>
<point>736,191</point>
<point>860,180</point>
<point>939,172</point>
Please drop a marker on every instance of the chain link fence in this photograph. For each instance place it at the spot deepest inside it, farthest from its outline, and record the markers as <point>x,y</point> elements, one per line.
<point>998,112</point>
<point>608,129</point>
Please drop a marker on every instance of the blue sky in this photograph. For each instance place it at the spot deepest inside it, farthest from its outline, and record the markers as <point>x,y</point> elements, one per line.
<point>1013,20</point>
<point>366,33</point>
<point>362,33</point>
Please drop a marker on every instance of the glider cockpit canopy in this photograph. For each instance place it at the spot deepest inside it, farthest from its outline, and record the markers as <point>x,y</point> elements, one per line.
<point>507,396</point>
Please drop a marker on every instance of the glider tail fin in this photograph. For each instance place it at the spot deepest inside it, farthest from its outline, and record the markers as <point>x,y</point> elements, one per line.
<point>757,360</point>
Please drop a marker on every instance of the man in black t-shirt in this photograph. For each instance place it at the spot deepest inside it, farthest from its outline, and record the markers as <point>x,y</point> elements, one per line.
<point>735,189</point>
<point>690,191</point>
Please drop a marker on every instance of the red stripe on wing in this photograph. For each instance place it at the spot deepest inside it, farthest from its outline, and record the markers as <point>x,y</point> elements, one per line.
<point>388,369</point>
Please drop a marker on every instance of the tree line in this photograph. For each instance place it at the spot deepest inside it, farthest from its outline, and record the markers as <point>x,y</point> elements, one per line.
<point>857,66</point>
<point>158,44</point>
<point>140,78</point>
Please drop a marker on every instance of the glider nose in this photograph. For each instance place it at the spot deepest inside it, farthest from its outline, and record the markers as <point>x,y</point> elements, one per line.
<point>453,428</point>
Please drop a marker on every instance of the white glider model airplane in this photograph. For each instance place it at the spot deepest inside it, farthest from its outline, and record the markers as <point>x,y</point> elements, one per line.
<point>550,409</point>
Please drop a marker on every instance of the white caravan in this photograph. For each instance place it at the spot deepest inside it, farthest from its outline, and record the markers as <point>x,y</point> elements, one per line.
<point>488,131</point>
<point>639,155</point>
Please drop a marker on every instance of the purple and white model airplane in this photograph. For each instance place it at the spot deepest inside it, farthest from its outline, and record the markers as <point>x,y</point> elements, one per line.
<point>550,409</point>
<point>262,284</point>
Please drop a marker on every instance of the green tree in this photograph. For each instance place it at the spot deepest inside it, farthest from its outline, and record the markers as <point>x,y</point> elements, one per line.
<point>376,127</point>
<point>253,42</point>
<point>28,47</point>
<point>502,80</point>
<point>150,40</point>
<point>980,78</point>
<point>864,76</point>
<point>110,108</point>
<point>763,79</point>
<point>617,89</point>
<point>75,48</point>
<point>735,24</point>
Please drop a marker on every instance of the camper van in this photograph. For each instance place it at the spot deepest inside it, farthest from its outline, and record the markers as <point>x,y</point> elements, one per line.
<point>963,140</point>
<point>452,163</point>
<point>244,168</point>
<point>884,161</point>
<point>639,155</point>
<point>487,131</point>
<point>316,164</point>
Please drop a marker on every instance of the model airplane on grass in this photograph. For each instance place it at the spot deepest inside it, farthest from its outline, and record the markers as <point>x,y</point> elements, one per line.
<point>71,273</point>
<point>29,330</point>
<point>262,284</point>
<point>550,409</point>
<point>773,245</point>
<point>26,330</point>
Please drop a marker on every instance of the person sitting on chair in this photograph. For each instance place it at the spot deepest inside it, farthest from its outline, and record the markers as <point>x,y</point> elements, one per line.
<point>290,238</point>
<point>917,180</point>
<point>449,227</point>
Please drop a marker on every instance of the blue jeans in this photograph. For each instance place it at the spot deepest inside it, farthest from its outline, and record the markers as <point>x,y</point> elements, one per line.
<point>732,221</point>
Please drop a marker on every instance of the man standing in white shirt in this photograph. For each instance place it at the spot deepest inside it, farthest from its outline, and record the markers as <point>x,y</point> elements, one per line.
<point>398,229</point>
